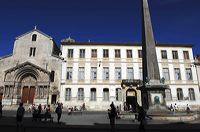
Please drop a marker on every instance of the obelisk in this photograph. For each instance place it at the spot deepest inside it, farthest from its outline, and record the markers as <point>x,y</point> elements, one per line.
<point>150,62</point>
<point>151,74</point>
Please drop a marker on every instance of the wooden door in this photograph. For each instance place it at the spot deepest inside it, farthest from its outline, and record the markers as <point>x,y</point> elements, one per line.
<point>31,94</point>
<point>25,94</point>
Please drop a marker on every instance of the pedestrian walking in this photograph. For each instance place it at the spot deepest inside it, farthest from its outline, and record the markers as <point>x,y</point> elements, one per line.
<point>39,109</point>
<point>118,112</point>
<point>112,113</point>
<point>142,119</point>
<point>1,109</point>
<point>187,109</point>
<point>47,112</point>
<point>171,108</point>
<point>44,108</point>
<point>83,107</point>
<point>59,112</point>
<point>175,107</point>
<point>20,115</point>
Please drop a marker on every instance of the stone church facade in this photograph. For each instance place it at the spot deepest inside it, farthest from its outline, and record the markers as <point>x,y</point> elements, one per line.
<point>31,74</point>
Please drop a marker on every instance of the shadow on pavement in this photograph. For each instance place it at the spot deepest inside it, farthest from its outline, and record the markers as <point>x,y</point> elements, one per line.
<point>8,124</point>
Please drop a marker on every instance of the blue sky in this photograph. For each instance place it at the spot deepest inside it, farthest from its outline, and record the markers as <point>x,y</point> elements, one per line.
<point>174,21</point>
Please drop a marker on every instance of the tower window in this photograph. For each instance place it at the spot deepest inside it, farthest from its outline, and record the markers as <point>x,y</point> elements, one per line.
<point>32,51</point>
<point>34,37</point>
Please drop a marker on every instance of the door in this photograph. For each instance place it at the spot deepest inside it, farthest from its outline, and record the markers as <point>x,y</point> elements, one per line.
<point>25,94</point>
<point>31,94</point>
<point>53,99</point>
<point>131,99</point>
<point>28,94</point>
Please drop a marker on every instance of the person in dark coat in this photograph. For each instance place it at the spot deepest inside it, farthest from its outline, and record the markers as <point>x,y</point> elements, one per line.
<point>20,115</point>
<point>39,109</point>
<point>141,119</point>
<point>112,113</point>
<point>59,112</point>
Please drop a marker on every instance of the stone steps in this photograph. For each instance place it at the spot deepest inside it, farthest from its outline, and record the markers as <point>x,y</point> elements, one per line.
<point>14,107</point>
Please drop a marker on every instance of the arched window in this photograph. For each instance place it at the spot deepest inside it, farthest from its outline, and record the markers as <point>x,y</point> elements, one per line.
<point>106,94</point>
<point>168,94</point>
<point>93,94</point>
<point>191,94</point>
<point>68,94</point>
<point>179,94</point>
<point>34,37</point>
<point>118,94</point>
<point>80,94</point>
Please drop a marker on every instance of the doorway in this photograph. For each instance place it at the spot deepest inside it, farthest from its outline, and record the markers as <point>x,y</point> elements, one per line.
<point>28,94</point>
<point>31,94</point>
<point>53,99</point>
<point>131,100</point>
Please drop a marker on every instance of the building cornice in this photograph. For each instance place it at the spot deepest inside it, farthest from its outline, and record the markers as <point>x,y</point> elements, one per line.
<point>124,44</point>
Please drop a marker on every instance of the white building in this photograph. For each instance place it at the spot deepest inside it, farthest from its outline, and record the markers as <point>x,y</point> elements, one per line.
<point>92,73</point>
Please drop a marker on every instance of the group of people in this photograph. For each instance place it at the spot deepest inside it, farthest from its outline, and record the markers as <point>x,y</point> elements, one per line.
<point>113,113</point>
<point>174,108</point>
<point>39,110</point>
<point>75,108</point>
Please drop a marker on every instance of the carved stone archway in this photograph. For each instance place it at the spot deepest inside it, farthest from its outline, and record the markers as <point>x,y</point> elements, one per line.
<point>26,83</point>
